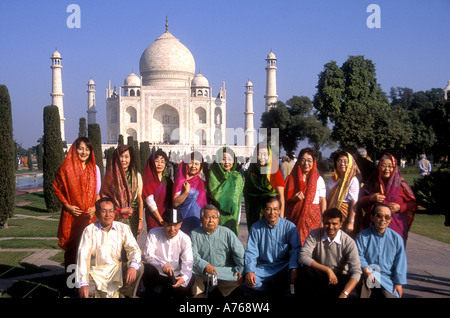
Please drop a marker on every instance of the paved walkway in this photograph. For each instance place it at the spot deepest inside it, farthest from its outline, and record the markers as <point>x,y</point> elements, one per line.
<point>428,264</point>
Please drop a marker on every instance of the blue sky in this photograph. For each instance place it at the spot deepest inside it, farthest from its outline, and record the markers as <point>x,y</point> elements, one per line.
<point>229,40</point>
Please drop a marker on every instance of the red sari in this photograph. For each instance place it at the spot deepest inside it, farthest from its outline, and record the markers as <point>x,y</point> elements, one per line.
<point>74,186</point>
<point>303,213</point>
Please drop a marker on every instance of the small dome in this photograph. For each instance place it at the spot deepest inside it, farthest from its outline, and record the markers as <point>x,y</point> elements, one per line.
<point>249,83</point>
<point>200,81</point>
<point>271,56</point>
<point>56,54</point>
<point>132,80</point>
<point>91,82</point>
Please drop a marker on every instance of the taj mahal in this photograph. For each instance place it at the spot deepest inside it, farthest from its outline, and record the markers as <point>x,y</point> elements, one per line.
<point>168,104</point>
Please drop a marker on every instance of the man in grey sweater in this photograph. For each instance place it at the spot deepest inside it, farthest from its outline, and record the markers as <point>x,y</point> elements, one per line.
<point>330,265</point>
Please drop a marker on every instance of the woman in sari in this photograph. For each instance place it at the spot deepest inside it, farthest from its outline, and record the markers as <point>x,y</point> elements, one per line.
<point>343,188</point>
<point>189,194</point>
<point>157,191</point>
<point>263,178</point>
<point>387,186</point>
<point>305,194</point>
<point>76,184</point>
<point>123,184</point>
<point>225,185</point>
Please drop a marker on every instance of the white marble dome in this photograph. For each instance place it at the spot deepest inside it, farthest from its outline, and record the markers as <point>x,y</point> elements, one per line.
<point>166,62</point>
<point>200,81</point>
<point>132,80</point>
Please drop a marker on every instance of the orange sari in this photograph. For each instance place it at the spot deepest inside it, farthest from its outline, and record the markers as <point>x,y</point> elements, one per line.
<point>303,213</point>
<point>74,186</point>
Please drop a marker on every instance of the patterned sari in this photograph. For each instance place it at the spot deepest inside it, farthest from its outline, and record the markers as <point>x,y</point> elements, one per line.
<point>225,190</point>
<point>303,213</point>
<point>396,190</point>
<point>196,199</point>
<point>76,186</point>
<point>122,187</point>
<point>338,193</point>
<point>161,190</point>
<point>260,182</point>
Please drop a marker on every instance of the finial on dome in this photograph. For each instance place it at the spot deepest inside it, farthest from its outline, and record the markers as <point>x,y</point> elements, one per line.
<point>167,24</point>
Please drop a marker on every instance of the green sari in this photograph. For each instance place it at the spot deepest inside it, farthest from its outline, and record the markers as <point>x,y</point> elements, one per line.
<point>225,190</point>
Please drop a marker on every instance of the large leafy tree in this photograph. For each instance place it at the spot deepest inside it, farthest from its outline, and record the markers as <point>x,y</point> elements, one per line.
<point>350,99</point>
<point>296,122</point>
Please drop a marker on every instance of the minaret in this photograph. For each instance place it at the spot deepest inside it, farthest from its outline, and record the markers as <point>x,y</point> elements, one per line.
<point>91,102</point>
<point>271,80</point>
<point>249,128</point>
<point>57,94</point>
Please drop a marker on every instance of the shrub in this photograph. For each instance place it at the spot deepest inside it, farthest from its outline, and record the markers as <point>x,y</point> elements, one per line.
<point>432,192</point>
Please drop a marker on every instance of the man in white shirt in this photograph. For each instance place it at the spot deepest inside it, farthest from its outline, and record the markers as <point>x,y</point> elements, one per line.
<point>101,270</point>
<point>168,259</point>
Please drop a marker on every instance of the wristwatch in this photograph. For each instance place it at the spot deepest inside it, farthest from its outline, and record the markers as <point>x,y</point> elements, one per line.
<point>345,293</point>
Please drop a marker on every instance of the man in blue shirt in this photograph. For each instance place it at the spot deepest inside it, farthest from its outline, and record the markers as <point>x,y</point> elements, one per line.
<point>271,255</point>
<point>383,257</point>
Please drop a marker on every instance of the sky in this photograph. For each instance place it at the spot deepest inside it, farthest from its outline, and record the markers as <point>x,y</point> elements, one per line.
<point>229,40</point>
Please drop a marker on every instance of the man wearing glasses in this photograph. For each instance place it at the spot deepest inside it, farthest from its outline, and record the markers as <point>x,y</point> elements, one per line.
<point>271,255</point>
<point>101,271</point>
<point>218,256</point>
<point>383,257</point>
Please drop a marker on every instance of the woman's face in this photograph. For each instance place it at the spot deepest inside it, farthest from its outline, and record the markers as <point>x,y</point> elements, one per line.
<point>125,160</point>
<point>387,168</point>
<point>83,152</point>
<point>227,161</point>
<point>160,164</point>
<point>341,165</point>
<point>263,156</point>
<point>193,167</point>
<point>306,163</point>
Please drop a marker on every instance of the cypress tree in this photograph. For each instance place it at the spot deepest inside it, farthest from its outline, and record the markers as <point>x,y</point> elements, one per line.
<point>82,130</point>
<point>137,153</point>
<point>7,159</point>
<point>29,160</point>
<point>120,140</point>
<point>53,155</point>
<point>95,137</point>
<point>40,156</point>
<point>145,153</point>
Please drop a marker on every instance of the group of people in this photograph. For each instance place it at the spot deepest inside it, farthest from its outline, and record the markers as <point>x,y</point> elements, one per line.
<point>300,228</point>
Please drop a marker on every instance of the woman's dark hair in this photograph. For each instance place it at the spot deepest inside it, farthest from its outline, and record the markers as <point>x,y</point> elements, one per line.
<point>123,148</point>
<point>161,153</point>
<point>88,144</point>
<point>308,151</point>
<point>340,153</point>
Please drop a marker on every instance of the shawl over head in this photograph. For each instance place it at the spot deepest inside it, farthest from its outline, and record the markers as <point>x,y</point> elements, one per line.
<point>196,182</point>
<point>115,184</point>
<point>160,189</point>
<point>339,191</point>
<point>76,186</point>
<point>392,189</point>
<point>225,188</point>
<point>257,184</point>
<point>301,213</point>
